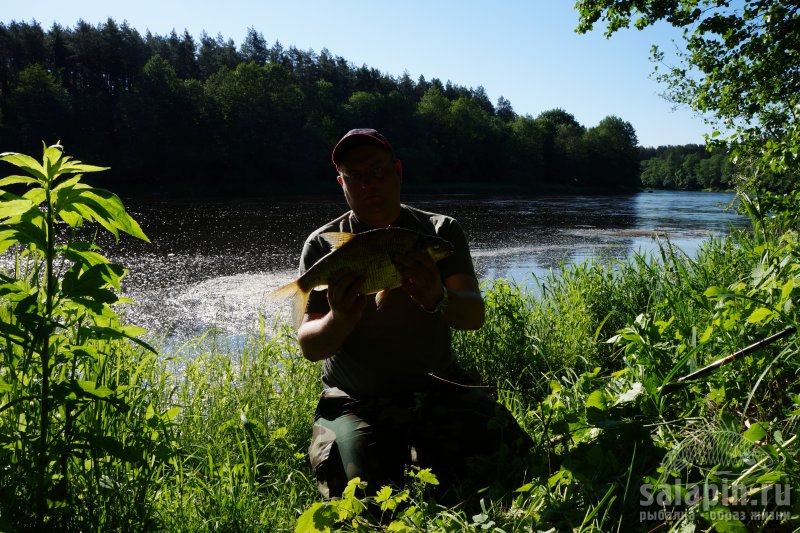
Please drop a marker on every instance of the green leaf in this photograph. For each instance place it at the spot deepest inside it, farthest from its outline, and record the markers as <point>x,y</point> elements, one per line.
<point>598,399</point>
<point>349,492</point>
<point>786,289</point>
<point>319,518</point>
<point>80,281</point>
<point>83,352</point>
<point>756,432</point>
<point>88,211</point>
<point>597,405</point>
<point>760,314</point>
<point>36,195</point>
<point>62,195</point>
<point>76,166</point>
<point>116,212</point>
<point>770,477</point>
<point>67,184</point>
<point>97,305</point>
<point>426,476</point>
<point>14,334</point>
<point>52,157</point>
<point>91,388</point>
<point>15,290</point>
<point>75,390</point>
<point>102,207</point>
<point>28,227</point>
<point>722,518</point>
<point>525,488</point>
<point>85,258</point>
<point>383,494</point>
<point>7,239</point>
<point>74,220</point>
<point>27,163</point>
<point>171,413</point>
<point>11,208</point>
<point>14,180</point>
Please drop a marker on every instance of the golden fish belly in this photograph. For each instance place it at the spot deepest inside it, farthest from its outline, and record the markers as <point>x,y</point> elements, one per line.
<point>371,258</point>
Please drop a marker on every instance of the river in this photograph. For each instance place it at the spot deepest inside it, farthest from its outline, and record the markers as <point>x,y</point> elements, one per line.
<point>212,262</point>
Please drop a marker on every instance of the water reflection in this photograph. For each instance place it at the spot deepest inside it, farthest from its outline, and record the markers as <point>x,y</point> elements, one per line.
<point>513,237</point>
<point>211,263</point>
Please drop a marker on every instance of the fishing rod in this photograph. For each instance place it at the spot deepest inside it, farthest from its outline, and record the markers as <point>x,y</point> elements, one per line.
<point>673,385</point>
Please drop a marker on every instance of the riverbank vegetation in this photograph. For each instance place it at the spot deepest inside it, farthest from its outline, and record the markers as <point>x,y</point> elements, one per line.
<point>99,432</point>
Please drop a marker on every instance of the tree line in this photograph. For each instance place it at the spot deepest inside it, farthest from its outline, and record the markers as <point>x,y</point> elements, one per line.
<point>175,115</point>
<point>690,167</point>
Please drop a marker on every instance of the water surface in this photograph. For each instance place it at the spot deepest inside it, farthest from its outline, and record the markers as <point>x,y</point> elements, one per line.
<point>211,263</point>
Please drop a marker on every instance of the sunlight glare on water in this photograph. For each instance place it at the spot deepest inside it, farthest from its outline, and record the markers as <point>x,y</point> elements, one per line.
<point>211,264</point>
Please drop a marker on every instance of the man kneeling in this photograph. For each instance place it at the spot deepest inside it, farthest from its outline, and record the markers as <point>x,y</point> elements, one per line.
<point>391,379</point>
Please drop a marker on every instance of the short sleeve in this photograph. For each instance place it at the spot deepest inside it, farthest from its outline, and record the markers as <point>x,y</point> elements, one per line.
<point>461,261</point>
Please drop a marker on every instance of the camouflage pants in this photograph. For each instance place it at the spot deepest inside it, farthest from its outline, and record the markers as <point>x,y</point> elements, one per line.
<point>463,435</point>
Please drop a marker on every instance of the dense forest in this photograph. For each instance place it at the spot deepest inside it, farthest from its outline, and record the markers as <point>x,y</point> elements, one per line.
<point>174,115</point>
<point>690,167</point>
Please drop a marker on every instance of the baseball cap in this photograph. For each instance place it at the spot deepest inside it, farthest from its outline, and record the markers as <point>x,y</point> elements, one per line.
<point>355,138</point>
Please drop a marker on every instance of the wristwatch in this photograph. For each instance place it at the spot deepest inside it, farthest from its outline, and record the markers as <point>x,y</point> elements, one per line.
<point>441,307</point>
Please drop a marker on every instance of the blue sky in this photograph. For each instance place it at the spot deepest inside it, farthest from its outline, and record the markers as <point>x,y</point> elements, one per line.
<point>526,51</point>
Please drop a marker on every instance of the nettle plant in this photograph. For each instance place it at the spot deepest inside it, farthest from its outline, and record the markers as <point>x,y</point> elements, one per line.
<point>65,399</point>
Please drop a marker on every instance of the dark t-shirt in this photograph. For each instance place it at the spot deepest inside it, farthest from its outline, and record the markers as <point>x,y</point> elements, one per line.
<point>392,350</point>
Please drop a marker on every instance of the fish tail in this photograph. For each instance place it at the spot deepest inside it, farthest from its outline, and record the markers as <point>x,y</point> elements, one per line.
<point>299,299</point>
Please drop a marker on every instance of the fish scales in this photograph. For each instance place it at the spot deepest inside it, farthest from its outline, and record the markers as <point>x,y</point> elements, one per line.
<point>370,254</point>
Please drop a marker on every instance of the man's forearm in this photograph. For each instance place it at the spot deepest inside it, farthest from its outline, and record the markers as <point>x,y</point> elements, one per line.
<point>465,310</point>
<point>465,307</point>
<point>321,337</point>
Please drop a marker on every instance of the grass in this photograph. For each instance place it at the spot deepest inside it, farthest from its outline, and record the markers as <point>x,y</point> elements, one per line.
<point>243,428</point>
<point>229,431</point>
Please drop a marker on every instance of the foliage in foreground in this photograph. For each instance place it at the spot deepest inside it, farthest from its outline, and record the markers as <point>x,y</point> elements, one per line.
<point>69,410</point>
<point>206,439</point>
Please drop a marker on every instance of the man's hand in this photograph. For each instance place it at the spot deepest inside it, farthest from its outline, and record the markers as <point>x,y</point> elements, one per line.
<point>321,335</point>
<point>421,278</point>
<point>344,296</point>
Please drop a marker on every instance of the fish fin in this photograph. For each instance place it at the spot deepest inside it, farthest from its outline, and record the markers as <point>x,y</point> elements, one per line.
<point>380,297</point>
<point>299,299</point>
<point>337,239</point>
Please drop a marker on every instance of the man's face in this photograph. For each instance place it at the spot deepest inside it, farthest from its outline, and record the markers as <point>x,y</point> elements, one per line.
<point>370,179</point>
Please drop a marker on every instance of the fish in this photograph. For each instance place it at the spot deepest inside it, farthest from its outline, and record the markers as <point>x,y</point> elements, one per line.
<point>370,254</point>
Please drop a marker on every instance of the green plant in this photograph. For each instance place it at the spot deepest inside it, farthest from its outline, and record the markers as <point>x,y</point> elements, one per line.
<point>74,432</point>
<point>401,510</point>
<point>244,428</point>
